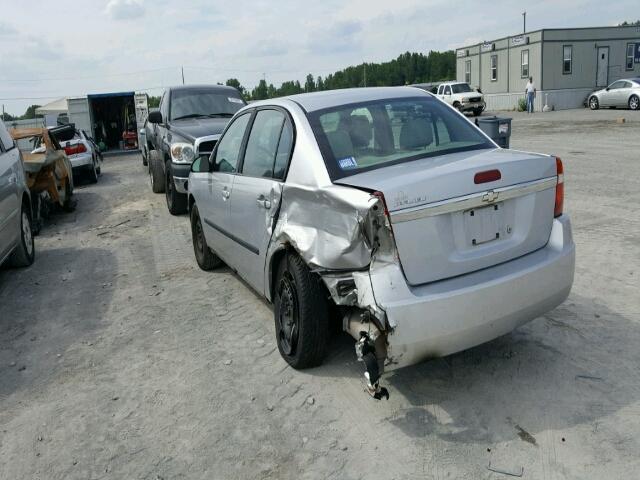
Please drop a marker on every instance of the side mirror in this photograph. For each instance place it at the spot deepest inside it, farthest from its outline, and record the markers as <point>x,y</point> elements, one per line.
<point>155,117</point>
<point>607,89</point>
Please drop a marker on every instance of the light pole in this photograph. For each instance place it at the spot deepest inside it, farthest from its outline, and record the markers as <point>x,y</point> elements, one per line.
<point>524,22</point>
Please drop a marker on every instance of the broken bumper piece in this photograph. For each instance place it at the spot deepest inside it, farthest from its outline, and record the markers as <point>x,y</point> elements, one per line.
<point>452,315</point>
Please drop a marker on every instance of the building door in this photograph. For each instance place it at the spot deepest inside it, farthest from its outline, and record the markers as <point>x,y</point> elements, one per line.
<point>602,75</point>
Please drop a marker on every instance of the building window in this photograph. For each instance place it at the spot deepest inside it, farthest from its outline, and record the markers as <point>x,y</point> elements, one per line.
<point>467,71</point>
<point>567,54</point>
<point>524,64</point>
<point>494,68</point>
<point>630,51</point>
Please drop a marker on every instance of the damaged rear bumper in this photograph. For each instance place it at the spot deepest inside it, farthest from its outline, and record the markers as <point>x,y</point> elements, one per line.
<point>448,316</point>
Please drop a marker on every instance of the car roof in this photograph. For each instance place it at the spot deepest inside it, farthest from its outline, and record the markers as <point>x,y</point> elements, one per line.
<point>221,88</point>
<point>334,98</point>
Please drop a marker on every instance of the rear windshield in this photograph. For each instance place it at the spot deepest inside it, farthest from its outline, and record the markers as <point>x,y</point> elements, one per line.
<point>460,88</point>
<point>190,103</point>
<point>365,136</point>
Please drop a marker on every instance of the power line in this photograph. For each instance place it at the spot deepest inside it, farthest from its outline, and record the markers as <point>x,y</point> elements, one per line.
<point>88,77</point>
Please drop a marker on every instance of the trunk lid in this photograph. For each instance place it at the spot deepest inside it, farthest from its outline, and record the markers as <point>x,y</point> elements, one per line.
<point>445,224</point>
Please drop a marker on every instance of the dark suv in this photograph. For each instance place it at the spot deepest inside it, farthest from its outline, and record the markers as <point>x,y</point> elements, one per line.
<point>188,124</point>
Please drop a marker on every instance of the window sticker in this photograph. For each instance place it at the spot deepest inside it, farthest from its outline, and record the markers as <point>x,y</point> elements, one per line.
<point>347,163</point>
<point>235,100</point>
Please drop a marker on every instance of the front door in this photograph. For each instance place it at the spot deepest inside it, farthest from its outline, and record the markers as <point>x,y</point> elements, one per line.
<point>257,191</point>
<point>213,190</point>
<point>602,76</point>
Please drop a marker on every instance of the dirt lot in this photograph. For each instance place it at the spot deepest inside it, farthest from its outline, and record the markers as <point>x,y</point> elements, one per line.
<point>120,359</point>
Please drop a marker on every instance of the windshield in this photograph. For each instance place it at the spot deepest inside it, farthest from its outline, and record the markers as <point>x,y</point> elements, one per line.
<point>461,88</point>
<point>366,136</point>
<point>190,103</point>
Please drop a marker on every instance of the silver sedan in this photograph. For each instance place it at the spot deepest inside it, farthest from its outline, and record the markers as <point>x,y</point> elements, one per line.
<point>621,93</point>
<point>386,209</point>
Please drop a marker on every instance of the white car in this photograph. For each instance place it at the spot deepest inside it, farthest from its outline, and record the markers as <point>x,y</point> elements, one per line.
<point>461,96</point>
<point>83,154</point>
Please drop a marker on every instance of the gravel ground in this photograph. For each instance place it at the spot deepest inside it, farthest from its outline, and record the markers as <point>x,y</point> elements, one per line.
<point>120,359</point>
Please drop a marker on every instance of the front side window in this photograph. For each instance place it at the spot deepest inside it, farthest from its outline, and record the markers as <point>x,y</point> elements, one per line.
<point>447,90</point>
<point>494,68</point>
<point>262,145</point>
<point>629,59</point>
<point>229,146</point>
<point>524,64</point>
<point>467,71</point>
<point>567,59</point>
<point>203,102</point>
<point>375,134</point>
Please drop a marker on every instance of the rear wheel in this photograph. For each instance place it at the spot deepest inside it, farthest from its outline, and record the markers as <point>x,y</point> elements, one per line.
<point>207,260</point>
<point>176,201</point>
<point>25,252</point>
<point>634,102</point>
<point>593,103</point>
<point>477,112</point>
<point>301,314</point>
<point>155,172</point>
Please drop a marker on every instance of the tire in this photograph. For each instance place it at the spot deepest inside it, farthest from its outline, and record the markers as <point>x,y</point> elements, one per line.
<point>93,172</point>
<point>477,112</point>
<point>176,201</point>
<point>458,107</point>
<point>25,252</point>
<point>593,103</point>
<point>68,204</point>
<point>155,171</point>
<point>634,102</point>
<point>301,314</point>
<point>207,260</point>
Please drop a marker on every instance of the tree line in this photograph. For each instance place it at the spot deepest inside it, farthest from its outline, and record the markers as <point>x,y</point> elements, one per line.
<point>407,69</point>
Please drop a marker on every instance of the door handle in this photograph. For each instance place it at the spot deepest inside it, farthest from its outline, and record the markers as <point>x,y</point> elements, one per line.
<point>263,202</point>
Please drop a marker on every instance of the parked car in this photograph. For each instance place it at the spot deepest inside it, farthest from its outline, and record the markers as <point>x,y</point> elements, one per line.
<point>387,206</point>
<point>82,151</point>
<point>621,93</point>
<point>188,124</point>
<point>16,239</point>
<point>461,96</point>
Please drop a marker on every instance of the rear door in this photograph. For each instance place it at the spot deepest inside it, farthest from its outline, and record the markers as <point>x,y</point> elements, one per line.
<point>256,194</point>
<point>212,190</point>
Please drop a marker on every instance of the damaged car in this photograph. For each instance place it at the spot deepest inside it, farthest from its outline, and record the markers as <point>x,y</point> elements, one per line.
<point>390,210</point>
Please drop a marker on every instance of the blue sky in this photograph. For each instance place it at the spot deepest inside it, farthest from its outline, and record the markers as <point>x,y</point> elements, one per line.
<point>66,48</point>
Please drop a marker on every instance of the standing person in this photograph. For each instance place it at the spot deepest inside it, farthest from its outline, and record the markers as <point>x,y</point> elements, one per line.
<point>530,92</point>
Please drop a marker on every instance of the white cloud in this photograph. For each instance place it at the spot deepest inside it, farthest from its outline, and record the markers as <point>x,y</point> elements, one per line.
<point>124,9</point>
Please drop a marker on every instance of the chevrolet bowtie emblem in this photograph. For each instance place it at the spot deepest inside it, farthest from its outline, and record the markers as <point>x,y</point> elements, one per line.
<point>490,196</point>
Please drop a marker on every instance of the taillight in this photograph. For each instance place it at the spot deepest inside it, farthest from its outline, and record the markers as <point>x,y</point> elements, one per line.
<point>557,211</point>
<point>75,149</point>
<point>380,196</point>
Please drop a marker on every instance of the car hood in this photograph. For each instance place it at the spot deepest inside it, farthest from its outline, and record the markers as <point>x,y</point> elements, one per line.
<point>192,128</point>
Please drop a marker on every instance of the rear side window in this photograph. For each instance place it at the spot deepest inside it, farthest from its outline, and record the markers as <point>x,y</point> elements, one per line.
<point>284,151</point>
<point>367,136</point>
<point>5,138</point>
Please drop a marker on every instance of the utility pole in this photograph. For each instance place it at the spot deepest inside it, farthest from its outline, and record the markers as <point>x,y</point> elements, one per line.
<point>182,68</point>
<point>524,22</point>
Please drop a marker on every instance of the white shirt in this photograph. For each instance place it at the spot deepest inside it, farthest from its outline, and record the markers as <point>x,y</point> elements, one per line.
<point>530,88</point>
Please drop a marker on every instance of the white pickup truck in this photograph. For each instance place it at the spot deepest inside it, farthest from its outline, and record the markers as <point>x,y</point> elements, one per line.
<point>462,97</point>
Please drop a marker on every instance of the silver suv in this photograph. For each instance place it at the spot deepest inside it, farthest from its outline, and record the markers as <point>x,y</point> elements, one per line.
<point>16,239</point>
